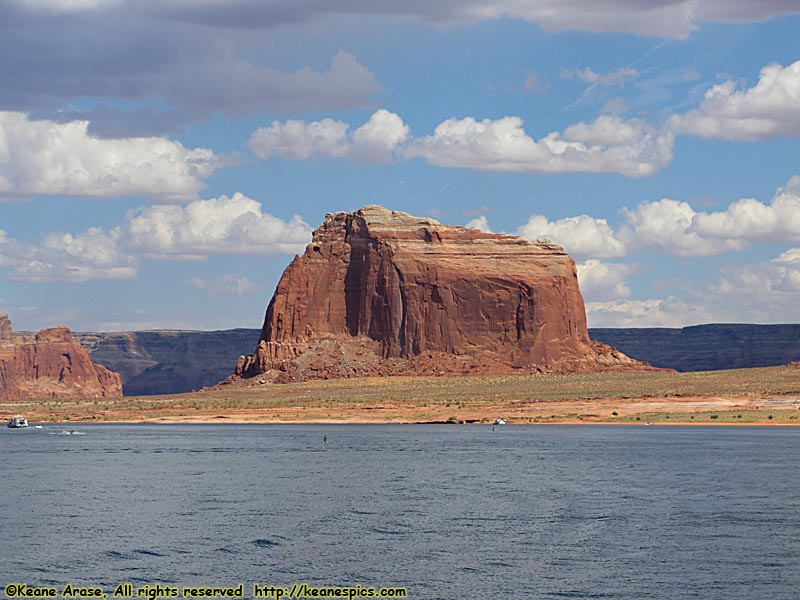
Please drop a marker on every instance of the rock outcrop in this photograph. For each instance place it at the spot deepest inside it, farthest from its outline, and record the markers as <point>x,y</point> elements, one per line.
<point>380,292</point>
<point>50,365</point>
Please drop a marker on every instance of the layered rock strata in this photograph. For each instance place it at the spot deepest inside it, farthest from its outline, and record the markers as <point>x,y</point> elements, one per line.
<point>381,292</point>
<point>50,365</point>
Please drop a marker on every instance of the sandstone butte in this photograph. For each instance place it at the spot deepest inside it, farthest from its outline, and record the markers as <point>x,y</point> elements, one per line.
<point>380,292</point>
<point>50,364</point>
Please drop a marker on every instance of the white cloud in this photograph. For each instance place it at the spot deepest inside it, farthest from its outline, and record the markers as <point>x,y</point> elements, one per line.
<point>582,236</point>
<point>223,225</point>
<point>43,157</point>
<point>666,226</point>
<point>666,312</point>
<point>766,292</point>
<point>374,141</point>
<point>751,220</point>
<point>235,225</point>
<point>481,223</point>
<point>93,254</point>
<point>608,144</point>
<point>232,284</point>
<point>603,280</point>
<point>503,145</point>
<point>609,130</point>
<point>377,139</point>
<point>770,108</point>
<point>674,228</point>
<point>298,140</point>
<point>779,277</point>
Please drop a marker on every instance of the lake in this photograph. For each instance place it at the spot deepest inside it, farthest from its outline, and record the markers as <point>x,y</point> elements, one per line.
<point>446,511</point>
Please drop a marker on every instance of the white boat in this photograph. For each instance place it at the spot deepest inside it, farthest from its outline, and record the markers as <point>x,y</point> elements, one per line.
<point>499,421</point>
<point>17,422</point>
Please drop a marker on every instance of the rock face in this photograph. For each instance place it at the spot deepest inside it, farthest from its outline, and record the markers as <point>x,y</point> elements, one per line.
<point>50,365</point>
<point>383,292</point>
<point>168,361</point>
<point>708,347</point>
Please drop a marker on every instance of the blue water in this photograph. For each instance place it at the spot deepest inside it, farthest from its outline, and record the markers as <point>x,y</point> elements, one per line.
<point>449,512</point>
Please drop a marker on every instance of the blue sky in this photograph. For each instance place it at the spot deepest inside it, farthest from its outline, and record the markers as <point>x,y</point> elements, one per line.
<point>161,162</point>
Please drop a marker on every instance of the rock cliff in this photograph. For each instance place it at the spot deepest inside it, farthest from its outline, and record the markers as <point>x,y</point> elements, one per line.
<point>382,292</point>
<point>168,361</point>
<point>708,347</point>
<point>50,365</point>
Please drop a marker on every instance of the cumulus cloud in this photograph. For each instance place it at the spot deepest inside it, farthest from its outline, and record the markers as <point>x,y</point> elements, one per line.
<point>374,141</point>
<point>608,144</point>
<point>751,220</point>
<point>667,226</point>
<point>779,276</point>
<point>603,281</point>
<point>298,140</point>
<point>674,228</point>
<point>609,130</point>
<point>224,225</point>
<point>232,284</point>
<point>235,225</point>
<point>481,223</point>
<point>662,312</point>
<point>503,145</point>
<point>770,108</point>
<point>43,157</point>
<point>63,257</point>
<point>582,236</point>
<point>765,292</point>
<point>377,139</point>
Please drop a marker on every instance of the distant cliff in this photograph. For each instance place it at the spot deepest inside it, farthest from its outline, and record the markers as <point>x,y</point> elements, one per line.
<point>165,362</point>
<point>168,361</point>
<point>707,347</point>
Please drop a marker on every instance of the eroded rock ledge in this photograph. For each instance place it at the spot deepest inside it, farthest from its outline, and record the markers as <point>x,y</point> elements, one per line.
<point>50,365</point>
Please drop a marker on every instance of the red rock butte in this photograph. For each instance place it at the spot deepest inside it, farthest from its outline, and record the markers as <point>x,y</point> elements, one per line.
<point>50,364</point>
<point>381,292</point>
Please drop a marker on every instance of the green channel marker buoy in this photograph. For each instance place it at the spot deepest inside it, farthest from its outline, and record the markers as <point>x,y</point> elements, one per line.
<point>325,439</point>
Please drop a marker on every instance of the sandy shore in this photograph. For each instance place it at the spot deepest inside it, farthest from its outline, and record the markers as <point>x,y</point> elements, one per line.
<point>693,410</point>
<point>767,396</point>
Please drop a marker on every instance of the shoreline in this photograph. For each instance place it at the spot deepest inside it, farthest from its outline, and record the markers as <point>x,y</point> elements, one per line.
<point>764,396</point>
<point>697,410</point>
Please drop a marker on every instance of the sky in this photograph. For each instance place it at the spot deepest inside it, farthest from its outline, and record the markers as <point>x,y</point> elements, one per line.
<point>161,161</point>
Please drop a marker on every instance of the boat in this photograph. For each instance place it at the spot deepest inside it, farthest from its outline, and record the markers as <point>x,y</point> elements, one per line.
<point>17,422</point>
<point>500,421</point>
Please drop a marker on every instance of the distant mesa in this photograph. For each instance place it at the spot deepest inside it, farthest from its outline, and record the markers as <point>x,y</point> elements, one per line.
<point>381,292</point>
<point>50,365</point>
<point>168,361</point>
